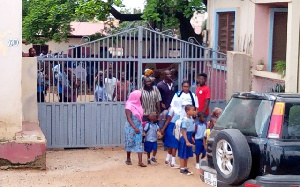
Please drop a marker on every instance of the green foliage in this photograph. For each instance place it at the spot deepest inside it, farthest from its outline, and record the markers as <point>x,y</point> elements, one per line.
<point>280,67</point>
<point>165,11</point>
<point>47,20</point>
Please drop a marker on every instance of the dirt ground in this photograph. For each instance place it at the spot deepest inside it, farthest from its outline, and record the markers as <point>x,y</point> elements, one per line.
<point>99,167</point>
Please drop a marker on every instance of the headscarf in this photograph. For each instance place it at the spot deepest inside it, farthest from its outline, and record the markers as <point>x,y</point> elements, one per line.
<point>148,72</point>
<point>134,104</point>
<point>176,105</point>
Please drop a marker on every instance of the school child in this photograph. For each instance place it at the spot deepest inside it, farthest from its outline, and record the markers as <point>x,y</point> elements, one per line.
<point>150,131</point>
<point>199,134</point>
<point>185,142</point>
<point>208,130</point>
<point>169,139</point>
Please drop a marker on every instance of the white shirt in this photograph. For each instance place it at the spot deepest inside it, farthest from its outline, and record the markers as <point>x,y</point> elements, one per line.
<point>110,85</point>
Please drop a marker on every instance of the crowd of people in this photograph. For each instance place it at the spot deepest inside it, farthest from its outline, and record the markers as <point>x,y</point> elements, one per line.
<point>180,116</point>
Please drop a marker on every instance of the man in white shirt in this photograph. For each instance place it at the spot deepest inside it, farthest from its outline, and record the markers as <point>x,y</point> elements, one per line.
<point>110,83</point>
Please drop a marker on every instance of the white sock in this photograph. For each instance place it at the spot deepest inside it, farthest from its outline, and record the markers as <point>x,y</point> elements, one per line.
<point>173,160</point>
<point>168,157</point>
<point>153,156</point>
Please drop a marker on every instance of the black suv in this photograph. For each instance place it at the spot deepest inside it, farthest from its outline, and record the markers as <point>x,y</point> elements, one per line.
<point>256,142</point>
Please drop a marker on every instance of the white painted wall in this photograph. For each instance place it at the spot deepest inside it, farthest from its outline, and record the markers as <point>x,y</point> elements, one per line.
<point>11,68</point>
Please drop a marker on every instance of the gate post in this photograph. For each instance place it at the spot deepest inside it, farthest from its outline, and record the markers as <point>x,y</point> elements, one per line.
<point>140,55</point>
<point>22,143</point>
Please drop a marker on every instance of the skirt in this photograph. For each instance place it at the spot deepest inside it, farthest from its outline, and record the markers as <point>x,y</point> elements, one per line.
<point>169,138</point>
<point>184,152</point>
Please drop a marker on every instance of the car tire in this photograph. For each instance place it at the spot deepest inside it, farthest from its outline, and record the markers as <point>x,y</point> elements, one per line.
<point>231,156</point>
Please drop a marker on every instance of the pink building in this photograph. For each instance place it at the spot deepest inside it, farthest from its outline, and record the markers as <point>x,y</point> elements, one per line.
<point>267,30</point>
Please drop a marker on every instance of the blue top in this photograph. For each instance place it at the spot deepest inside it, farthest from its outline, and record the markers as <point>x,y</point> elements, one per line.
<point>188,124</point>
<point>40,82</point>
<point>175,117</point>
<point>200,130</point>
<point>100,94</point>
<point>151,132</point>
<point>62,81</point>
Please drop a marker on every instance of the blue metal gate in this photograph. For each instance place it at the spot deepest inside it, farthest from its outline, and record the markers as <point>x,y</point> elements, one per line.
<point>74,118</point>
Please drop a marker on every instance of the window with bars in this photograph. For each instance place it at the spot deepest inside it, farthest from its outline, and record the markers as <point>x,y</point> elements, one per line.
<point>226,31</point>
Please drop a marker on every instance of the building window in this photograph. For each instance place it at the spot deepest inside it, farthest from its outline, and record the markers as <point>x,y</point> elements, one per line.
<point>226,24</point>
<point>41,48</point>
<point>278,36</point>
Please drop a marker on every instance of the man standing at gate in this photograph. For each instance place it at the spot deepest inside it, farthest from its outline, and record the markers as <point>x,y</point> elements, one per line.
<point>150,98</point>
<point>166,89</point>
<point>203,94</point>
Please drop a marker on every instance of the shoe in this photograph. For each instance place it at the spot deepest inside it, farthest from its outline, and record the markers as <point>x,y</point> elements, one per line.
<point>167,162</point>
<point>189,172</point>
<point>183,171</point>
<point>174,166</point>
<point>148,162</point>
<point>153,160</point>
<point>186,171</point>
<point>197,166</point>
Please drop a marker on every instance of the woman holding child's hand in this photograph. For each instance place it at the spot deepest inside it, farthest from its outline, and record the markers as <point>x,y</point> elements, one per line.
<point>133,127</point>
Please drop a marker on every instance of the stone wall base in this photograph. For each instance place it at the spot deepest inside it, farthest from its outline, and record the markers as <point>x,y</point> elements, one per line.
<point>28,150</point>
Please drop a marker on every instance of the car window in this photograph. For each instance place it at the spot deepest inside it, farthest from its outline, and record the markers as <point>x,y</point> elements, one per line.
<point>247,115</point>
<point>291,126</point>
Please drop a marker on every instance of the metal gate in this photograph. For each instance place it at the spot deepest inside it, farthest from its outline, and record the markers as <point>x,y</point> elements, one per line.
<point>71,110</point>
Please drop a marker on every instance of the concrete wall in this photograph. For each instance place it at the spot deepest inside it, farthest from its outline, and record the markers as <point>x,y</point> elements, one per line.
<point>262,31</point>
<point>57,47</point>
<point>244,29</point>
<point>11,64</point>
<point>29,89</point>
<point>238,73</point>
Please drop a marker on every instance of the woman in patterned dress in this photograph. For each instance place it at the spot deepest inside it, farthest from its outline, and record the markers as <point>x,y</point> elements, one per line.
<point>133,127</point>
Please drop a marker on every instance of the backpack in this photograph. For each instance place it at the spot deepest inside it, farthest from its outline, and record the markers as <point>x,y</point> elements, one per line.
<point>196,129</point>
<point>146,130</point>
<point>177,131</point>
<point>192,97</point>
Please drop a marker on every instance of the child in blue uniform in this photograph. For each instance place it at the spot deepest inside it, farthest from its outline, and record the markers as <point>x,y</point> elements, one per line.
<point>185,142</point>
<point>210,126</point>
<point>170,141</point>
<point>150,131</point>
<point>199,134</point>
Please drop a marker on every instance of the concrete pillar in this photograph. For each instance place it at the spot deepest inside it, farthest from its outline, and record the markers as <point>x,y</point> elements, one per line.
<point>11,69</point>
<point>22,143</point>
<point>238,73</point>
<point>292,54</point>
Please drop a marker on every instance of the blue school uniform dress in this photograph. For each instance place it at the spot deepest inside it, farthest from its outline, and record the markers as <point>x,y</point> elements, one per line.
<point>151,137</point>
<point>184,151</point>
<point>170,140</point>
<point>199,146</point>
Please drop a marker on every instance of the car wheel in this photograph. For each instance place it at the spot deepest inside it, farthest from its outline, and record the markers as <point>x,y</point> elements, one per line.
<point>231,156</point>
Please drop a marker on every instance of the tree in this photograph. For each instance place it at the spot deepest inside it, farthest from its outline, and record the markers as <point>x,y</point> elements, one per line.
<point>45,20</point>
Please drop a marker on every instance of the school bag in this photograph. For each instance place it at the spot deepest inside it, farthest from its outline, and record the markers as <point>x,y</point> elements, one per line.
<point>176,131</point>
<point>159,134</point>
<point>192,97</point>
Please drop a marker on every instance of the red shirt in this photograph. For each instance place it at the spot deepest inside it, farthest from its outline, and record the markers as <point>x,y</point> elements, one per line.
<point>203,93</point>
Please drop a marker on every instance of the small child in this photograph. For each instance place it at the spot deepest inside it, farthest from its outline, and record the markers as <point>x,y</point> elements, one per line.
<point>150,132</point>
<point>169,139</point>
<point>199,134</point>
<point>185,146</point>
<point>207,132</point>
